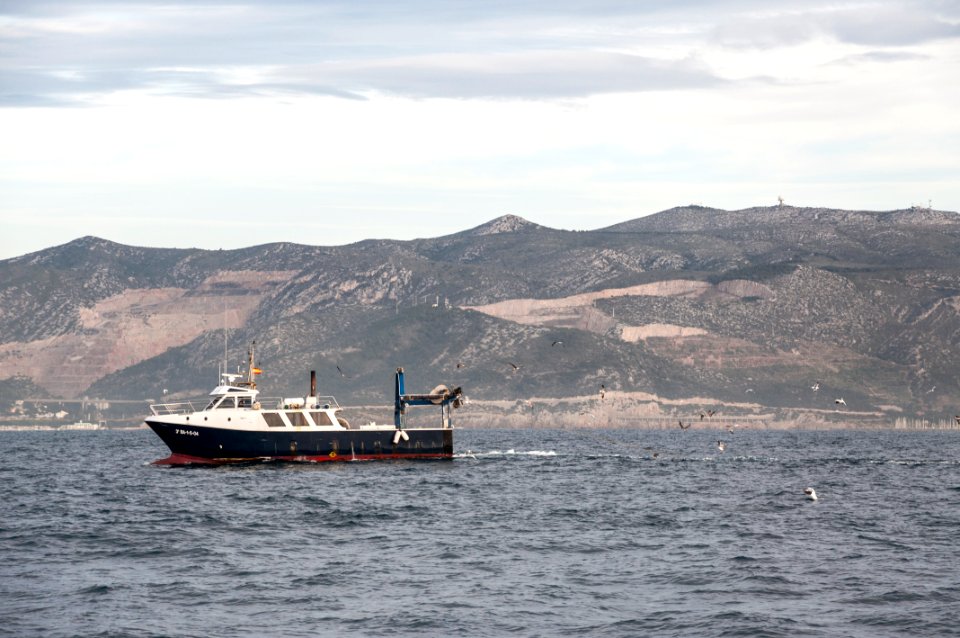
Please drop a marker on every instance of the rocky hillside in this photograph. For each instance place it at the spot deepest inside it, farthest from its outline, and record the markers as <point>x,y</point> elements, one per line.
<point>745,311</point>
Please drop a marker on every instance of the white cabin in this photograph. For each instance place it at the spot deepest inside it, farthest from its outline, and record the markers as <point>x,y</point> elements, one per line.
<point>239,406</point>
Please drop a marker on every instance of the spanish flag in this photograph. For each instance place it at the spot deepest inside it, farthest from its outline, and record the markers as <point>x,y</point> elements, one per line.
<point>257,371</point>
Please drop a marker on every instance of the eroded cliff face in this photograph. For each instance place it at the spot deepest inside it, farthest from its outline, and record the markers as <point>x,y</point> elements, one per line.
<point>133,326</point>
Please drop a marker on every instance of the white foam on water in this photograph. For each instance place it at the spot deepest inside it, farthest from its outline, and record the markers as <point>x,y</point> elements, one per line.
<point>513,452</point>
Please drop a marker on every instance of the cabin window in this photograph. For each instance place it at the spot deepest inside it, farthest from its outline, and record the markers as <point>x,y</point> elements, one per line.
<point>244,402</point>
<point>229,402</point>
<point>297,419</point>
<point>273,420</point>
<point>321,418</point>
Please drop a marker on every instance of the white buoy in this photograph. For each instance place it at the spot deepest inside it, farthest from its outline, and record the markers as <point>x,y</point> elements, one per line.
<point>396,436</point>
<point>811,494</point>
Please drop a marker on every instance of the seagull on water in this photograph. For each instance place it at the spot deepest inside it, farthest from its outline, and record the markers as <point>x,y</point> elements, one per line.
<point>811,494</point>
<point>721,446</point>
<point>840,401</point>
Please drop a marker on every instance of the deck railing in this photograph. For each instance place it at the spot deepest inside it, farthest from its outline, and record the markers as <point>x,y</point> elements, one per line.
<point>161,409</point>
<point>265,403</point>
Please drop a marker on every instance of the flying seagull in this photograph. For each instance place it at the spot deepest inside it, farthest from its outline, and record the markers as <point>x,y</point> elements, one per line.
<point>513,365</point>
<point>556,343</point>
<point>342,373</point>
<point>603,391</point>
<point>682,426</point>
<point>721,446</point>
<point>815,386</point>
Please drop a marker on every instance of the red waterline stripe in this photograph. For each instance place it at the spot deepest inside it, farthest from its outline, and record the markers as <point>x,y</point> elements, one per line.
<point>186,459</point>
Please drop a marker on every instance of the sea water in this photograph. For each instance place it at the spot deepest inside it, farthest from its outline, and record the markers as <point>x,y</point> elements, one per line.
<point>537,533</point>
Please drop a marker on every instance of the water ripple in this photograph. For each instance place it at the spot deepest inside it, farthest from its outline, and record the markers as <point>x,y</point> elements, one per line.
<point>548,532</point>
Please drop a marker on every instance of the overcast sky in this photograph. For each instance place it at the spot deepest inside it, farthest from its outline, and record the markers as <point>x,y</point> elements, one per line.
<point>233,123</point>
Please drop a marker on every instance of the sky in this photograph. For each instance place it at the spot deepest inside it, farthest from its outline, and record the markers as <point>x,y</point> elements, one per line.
<point>225,124</point>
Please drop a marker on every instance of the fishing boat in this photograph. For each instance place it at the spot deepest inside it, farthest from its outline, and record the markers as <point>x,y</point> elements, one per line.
<point>237,425</point>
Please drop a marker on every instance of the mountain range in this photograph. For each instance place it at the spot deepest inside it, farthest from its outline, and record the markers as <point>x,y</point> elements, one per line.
<point>763,315</point>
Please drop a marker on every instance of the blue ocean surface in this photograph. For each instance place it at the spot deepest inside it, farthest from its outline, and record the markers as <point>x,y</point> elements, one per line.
<point>533,533</point>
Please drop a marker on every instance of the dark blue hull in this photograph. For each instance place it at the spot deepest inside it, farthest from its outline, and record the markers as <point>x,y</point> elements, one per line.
<point>199,444</point>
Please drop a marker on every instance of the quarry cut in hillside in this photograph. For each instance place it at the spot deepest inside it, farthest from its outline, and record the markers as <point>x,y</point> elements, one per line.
<point>133,326</point>
<point>578,311</point>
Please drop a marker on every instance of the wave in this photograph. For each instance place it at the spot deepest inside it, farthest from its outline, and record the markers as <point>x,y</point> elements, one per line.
<point>532,533</point>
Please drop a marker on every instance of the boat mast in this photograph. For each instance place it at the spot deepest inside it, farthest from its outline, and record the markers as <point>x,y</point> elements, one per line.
<point>251,366</point>
<point>225,368</point>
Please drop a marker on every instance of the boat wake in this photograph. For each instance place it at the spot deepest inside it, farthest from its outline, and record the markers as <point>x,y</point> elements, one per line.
<point>504,453</point>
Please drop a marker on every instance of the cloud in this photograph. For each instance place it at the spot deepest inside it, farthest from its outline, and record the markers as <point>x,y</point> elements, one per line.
<point>897,25</point>
<point>56,52</point>
<point>879,24</point>
<point>881,57</point>
<point>233,50</point>
<point>58,88</point>
<point>527,75</point>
